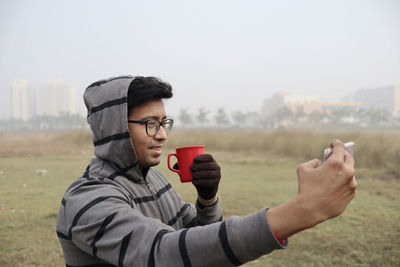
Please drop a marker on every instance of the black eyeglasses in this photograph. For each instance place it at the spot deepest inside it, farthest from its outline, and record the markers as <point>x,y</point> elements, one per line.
<point>153,125</point>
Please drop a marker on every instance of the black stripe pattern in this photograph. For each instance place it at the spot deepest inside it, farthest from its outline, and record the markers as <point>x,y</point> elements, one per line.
<point>86,173</point>
<point>183,250</point>
<point>179,214</point>
<point>61,235</point>
<point>192,223</point>
<point>86,208</point>
<point>223,238</point>
<point>122,172</point>
<point>151,198</point>
<point>91,265</point>
<point>114,137</point>
<point>108,104</point>
<point>124,247</point>
<point>101,232</point>
<point>151,261</point>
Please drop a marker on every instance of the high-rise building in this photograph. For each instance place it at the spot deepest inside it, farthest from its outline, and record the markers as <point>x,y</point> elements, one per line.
<point>53,98</point>
<point>387,97</point>
<point>56,98</point>
<point>23,100</point>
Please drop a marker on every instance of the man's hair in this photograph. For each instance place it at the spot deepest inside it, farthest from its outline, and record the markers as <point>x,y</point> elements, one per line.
<point>143,89</point>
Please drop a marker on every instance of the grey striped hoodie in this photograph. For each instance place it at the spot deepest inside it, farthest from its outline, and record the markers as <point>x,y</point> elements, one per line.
<point>113,216</point>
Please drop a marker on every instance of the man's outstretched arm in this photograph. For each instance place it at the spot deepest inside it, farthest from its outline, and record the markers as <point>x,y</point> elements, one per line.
<point>325,189</point>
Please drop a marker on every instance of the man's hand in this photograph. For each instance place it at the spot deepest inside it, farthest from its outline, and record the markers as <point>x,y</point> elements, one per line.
<point>206,175</point>
<point>325,190</point>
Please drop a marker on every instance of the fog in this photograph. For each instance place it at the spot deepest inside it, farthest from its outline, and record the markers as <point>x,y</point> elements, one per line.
<point>229,54</point>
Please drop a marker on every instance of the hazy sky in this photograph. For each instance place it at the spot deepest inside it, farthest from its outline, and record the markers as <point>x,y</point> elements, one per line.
<point>226,53</point>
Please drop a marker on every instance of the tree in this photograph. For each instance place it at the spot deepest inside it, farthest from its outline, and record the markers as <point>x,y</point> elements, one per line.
<point>283,114</point>
<point>300,114</point>
<point>239,118</point>
<point>282,117</point>
<point>221,118</point>
<point>185,117</point>
<point>253,119</point>
<point>337,115</point>
<point>379,116</point>
<point>317,117</point>
<point>372,117</point>
<point>202,116</point>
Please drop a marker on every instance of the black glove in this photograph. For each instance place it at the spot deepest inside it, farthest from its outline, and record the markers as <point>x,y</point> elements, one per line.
<point>206,175</point>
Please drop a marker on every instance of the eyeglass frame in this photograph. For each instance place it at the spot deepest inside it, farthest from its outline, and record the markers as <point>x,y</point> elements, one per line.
<point>160,123</point>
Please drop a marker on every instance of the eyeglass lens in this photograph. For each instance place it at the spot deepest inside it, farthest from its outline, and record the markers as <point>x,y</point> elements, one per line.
<point>153,126</point>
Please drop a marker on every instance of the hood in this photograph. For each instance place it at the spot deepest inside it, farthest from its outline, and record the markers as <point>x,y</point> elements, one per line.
<point>106,102</point>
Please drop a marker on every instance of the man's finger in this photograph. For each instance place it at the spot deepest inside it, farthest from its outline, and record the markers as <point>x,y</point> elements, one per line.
<point>348,158</point>
<point>206,175</point>
<point>309,165</point>
<point>315,163</point>
<point>203,158</point>
<point>312,164</point>
<point>338,150</point>
<point>204,166</point>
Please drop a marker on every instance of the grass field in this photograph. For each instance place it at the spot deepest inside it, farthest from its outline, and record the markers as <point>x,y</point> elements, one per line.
<point>258,169</point>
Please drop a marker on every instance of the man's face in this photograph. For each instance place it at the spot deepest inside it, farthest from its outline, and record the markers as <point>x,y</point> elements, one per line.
<point>148,149</point>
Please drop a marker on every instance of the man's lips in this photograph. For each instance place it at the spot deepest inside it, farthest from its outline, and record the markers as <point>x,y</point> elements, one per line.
<point>157,148</point>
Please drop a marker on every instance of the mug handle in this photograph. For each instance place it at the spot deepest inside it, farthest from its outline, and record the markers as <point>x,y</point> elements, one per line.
<point>169,163</point>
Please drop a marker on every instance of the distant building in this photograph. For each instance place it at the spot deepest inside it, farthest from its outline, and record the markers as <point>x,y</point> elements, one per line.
<point>303,103</point>
<point>56,98</point>
<point>53,98</point>
<point>387,97</point>
<point>23,100</point>
<point>293,102</point>
<point>329,106</point>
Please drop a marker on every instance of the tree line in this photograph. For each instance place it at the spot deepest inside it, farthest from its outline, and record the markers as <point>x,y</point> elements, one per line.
<point>204,118</point>
<point>45,123</point>
<point>286,118</point>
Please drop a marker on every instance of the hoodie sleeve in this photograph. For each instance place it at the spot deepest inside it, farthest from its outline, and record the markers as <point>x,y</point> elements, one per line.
<point>192,215</point>
<point>102,223</point>
<point>197,216</point>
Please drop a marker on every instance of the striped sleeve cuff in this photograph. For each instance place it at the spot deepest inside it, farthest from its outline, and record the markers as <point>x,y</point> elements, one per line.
<point>250,237</point>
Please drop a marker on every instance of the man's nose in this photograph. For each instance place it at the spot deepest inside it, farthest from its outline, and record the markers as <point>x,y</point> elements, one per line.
<point>161,134</point>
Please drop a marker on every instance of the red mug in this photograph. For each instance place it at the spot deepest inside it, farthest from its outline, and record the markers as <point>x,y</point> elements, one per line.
<point>185,156</point>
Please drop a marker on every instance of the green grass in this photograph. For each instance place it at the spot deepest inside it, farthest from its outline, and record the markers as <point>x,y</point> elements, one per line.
<point>366,234</point>
<point>29,205</point>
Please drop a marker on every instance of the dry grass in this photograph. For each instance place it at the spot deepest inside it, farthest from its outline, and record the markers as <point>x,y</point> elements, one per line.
<point>374,149</point>
<point>39,144</point>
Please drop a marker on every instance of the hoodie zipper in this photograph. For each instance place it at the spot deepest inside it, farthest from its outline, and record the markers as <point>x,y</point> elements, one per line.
<point>154,196</point>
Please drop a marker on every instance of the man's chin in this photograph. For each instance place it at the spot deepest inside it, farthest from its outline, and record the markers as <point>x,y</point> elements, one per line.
<point>150,161</point>
<point>155,162</point>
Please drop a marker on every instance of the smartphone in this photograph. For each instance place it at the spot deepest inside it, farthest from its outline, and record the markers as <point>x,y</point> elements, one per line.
<point>349,147</point>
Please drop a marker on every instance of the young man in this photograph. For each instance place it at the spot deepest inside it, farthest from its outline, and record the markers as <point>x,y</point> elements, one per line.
<point>123,212</point>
